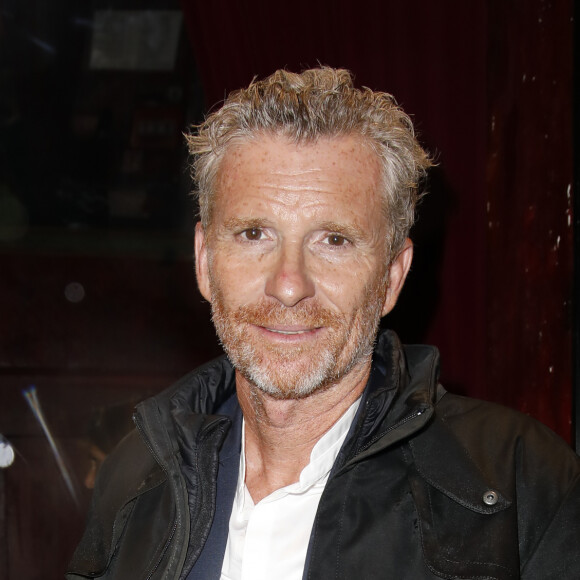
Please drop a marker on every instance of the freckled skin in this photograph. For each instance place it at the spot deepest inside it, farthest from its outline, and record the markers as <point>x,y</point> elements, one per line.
<point>293,227</point>
<point>295,192</point>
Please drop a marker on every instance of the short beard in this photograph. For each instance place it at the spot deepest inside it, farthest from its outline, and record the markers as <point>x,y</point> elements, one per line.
<point>283,371</point>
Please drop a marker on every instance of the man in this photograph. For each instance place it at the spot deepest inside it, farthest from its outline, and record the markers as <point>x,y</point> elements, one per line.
<point>304,453</point>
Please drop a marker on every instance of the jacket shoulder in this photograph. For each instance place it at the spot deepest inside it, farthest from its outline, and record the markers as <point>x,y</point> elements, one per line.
<point>499,430</point>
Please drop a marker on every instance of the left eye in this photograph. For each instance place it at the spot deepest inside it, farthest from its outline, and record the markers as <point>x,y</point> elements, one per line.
<point>252,234</point>
<point>336,240</point>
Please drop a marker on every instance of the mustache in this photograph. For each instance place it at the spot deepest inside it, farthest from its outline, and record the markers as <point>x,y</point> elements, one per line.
<point>310,314</point>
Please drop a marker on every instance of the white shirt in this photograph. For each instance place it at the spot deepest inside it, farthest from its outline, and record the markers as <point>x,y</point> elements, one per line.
<point>269,540</point>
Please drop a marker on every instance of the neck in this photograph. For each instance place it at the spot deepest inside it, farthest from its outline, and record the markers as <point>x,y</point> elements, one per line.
<point>280,434</point>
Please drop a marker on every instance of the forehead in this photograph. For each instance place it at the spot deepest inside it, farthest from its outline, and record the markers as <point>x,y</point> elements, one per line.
<point>345,166</point>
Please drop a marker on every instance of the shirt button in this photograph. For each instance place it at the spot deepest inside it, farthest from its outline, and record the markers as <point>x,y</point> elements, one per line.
<point>490,497</point>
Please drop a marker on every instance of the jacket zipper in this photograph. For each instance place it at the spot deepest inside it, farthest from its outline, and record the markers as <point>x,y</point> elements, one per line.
<point>165,548</point>
<point>414,415</point>
<point>400,423</point>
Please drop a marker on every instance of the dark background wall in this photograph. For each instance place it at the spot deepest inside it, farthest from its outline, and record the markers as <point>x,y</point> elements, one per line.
<point>98,304</point>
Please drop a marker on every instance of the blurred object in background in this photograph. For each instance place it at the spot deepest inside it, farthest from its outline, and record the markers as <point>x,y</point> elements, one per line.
<point>6,453</point>
<point>108,425</point>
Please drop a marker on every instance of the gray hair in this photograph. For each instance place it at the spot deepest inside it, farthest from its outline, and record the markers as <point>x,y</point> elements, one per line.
<point>317,103</point>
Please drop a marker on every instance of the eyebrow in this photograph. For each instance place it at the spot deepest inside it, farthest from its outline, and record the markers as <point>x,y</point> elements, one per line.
<point>348,230</point>
<point>236,223</point>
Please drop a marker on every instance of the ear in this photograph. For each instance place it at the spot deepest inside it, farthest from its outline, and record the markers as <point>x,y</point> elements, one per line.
<point>397,274</point>
<point>201,262</point>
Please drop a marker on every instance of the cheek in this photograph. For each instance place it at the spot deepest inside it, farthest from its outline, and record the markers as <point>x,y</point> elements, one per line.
<point>237,279</point>
<point>347,287</point>
<point>342,295</point>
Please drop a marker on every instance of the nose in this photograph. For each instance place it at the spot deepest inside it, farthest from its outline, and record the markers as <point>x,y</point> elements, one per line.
<point>289,281</point>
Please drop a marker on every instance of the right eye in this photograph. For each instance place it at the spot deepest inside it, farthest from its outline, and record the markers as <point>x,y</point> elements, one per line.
<point>252,234</point>
<point>336,240</point>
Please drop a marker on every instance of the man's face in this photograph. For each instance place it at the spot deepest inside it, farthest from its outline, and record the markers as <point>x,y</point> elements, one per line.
<point>294,262</point>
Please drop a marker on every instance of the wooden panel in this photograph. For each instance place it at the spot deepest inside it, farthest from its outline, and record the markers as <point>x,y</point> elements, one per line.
<point>529,182</point>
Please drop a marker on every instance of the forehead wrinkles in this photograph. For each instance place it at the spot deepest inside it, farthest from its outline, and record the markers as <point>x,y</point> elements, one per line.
<point>341,165</point>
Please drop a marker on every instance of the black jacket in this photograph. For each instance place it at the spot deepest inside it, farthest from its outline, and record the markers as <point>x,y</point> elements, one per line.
<point>427,485</point>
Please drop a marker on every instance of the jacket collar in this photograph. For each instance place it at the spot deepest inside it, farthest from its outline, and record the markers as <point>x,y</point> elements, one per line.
<point>400,405</point>
<point>395,403</point>
<point>186,411</point>
<point>398,399</point>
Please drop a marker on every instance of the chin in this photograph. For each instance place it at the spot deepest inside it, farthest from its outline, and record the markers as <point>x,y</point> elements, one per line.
<point>283,389</point>
<point>294,380</point>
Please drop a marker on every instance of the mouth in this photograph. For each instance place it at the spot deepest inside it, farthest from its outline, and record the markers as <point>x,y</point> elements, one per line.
<point>289,332</point>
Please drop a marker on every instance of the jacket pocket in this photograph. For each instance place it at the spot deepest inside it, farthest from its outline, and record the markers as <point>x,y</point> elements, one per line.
<point>459,541</point>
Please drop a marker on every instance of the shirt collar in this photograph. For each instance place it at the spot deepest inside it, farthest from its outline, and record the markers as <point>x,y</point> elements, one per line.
<point>322,456</point>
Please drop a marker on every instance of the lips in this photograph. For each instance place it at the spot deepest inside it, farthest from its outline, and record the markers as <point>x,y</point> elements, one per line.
<point>289,332</point>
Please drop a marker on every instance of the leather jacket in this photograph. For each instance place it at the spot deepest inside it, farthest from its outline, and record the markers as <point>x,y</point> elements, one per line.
<point>427,485</point>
